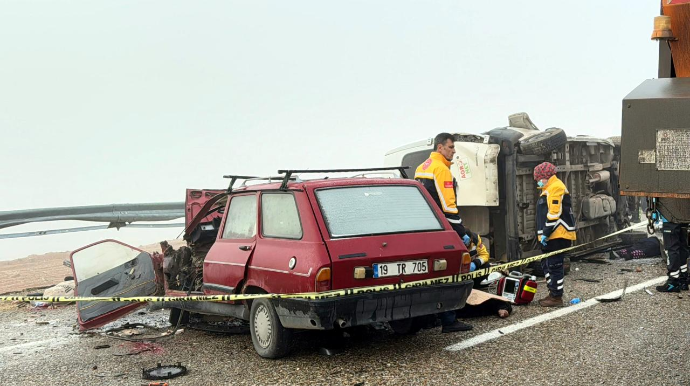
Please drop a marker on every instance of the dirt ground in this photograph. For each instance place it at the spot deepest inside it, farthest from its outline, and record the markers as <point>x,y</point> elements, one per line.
<point>41,271</point>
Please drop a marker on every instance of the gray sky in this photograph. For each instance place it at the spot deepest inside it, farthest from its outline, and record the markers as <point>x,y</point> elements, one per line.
<point>134,101</point>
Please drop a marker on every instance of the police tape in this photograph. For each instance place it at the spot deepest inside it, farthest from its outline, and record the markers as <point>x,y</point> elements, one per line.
<point>312,295</point>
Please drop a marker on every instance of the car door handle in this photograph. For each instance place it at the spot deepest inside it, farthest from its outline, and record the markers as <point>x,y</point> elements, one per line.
<point>245,247</point>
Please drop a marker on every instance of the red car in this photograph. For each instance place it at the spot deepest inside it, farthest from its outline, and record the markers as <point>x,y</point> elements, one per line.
<point>294,236</point>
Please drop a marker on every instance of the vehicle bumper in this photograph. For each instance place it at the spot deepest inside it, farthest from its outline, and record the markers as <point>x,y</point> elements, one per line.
<point>362,309</point>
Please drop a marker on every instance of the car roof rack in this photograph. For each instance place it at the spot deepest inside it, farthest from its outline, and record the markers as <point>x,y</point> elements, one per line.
<point>288,173</point>
<point>233,178</point>
<point>270,179</point>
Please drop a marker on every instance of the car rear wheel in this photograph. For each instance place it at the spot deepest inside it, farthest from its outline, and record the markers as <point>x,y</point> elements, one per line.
<point>270,338</point>
<point>544,142</point>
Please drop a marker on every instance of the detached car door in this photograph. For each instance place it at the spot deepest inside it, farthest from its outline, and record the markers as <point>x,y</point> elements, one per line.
<point>110,268</point>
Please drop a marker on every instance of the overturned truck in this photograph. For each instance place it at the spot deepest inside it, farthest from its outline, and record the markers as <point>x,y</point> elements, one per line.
<point>496,192</point>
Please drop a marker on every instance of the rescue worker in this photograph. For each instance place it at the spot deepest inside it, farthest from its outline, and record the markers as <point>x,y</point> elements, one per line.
<point>555,229</point>
<point>479,254</point>
<point>436,177</point>
<point>676,245</point>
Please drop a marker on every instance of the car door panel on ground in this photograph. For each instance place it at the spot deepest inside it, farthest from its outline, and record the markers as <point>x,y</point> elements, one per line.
<point>111,269</point>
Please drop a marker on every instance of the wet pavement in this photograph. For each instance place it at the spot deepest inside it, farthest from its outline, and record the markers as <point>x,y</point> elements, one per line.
<point>641,340</point>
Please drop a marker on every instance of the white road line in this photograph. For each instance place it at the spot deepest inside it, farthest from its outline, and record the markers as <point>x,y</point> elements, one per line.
<point>491,335</point>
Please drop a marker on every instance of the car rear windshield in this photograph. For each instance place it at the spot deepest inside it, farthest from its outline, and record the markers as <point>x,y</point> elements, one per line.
<point>372,210</point>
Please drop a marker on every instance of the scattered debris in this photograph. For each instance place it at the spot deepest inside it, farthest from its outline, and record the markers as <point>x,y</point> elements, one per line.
<point>130,332</point>
<point>42,322</point>
<point>101,346</point>
<point>136,352</point>
<point>595,261</point>
<point>648,291</point>
<point>638,269</point>
<point>141,347</point>
<point>328,351</point>
<point>164,371</point>
<point>589,280</point>
<point>617,298</point>
<point>627,270</point>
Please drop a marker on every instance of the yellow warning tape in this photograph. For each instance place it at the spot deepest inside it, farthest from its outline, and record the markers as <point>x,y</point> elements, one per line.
<point>310,295</point>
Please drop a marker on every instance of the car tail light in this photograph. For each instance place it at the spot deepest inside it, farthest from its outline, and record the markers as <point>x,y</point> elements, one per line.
<point>465,263</point>
<point>323,279</point>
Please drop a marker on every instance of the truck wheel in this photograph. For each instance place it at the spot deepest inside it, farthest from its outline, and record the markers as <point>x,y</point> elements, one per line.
<point>270,338</point>
<point>409,326</point>
<point>175,317</point>
<point>544,142</point>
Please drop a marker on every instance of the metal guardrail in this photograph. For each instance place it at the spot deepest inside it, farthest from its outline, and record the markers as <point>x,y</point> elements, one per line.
<point>115,214</point>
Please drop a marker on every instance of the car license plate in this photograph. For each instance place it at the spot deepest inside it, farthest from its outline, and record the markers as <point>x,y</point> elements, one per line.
<point>398,268</point>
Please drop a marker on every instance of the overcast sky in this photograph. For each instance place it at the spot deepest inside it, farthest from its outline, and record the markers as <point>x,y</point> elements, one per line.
<point>133,101</point>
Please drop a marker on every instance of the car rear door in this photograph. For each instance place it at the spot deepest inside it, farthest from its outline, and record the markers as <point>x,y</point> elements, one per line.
<point>391,226</point>
<point>110,268</point>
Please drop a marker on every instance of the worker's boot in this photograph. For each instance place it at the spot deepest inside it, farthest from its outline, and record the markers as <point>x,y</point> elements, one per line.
<point>671,285</point>
<point>683,281</point>
<point>551,301</point>
<point>455,327</point>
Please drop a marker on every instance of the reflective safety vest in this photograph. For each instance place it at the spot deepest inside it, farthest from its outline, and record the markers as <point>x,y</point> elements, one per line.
<point>555,218</point>
<point>435,175</point>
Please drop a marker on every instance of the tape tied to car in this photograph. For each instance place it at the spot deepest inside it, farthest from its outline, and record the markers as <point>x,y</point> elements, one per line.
<point>312,295</point>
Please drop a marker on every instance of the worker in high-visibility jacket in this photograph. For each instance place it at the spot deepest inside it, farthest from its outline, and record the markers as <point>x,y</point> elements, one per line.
<point>435,175</point>
<point>555,229</point>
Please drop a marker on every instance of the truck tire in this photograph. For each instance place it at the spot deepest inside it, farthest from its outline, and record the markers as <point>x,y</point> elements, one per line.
<point>630,238</point>
<point>271,340</point>
<point>616,140</point>
<point>544,142</point>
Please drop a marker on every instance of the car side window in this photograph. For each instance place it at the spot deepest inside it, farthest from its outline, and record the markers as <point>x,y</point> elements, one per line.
<point>240,222</point>
<point>279,216</point>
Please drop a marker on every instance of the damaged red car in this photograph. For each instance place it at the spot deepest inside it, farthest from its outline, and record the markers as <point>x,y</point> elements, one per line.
<point>283,235</point>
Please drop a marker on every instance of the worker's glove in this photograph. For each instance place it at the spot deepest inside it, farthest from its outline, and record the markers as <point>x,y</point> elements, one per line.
<point>466,239</point>
<point>473,267</point>
<point>543,240</point>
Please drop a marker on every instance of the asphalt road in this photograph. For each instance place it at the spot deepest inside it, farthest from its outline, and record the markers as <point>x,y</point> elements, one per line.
<point>640,340</point>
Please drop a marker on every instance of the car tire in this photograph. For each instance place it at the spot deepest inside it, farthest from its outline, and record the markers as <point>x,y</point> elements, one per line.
<point>544,142</point>
<point>174,317</point>
<point>630,238</point>
<point>409,326</point>
<point>271,340</point>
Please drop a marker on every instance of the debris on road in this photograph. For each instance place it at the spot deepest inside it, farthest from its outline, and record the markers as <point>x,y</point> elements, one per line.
<point>164,371</point>
<point>617,298</point>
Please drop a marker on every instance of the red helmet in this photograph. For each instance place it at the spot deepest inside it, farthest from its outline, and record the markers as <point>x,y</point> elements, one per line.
<point>544,171</point>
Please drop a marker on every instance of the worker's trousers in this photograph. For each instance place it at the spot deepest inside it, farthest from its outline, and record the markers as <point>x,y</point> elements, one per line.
<point>553,266</point>
<point>676,245</point>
